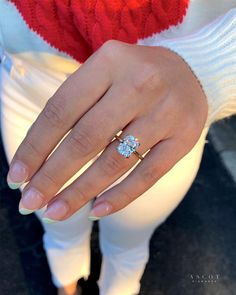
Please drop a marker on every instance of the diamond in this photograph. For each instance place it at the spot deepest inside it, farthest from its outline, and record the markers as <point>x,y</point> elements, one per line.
<point>128,145</point>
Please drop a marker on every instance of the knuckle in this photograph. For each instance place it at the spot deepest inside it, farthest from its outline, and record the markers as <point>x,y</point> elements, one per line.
<point>82,141</point>
<point>54,112</point>
<point>110,45</point>
<point>31,149</point>
<point>111,48</point>
<point>48,179</point>
<point>81,196</point>
<point>184,143</point>
<point>187,139</point>
<point>113,164</point>
<point>150,175</point>
<point>147,79</point>
<point>127,197</point>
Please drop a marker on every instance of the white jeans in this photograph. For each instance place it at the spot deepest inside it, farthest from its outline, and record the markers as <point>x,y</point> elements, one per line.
<point>125,235</point>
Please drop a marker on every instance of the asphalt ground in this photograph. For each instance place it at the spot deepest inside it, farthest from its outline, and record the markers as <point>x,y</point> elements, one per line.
<point>192,253</point>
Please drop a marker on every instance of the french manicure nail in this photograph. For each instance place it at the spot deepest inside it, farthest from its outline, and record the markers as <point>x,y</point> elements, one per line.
<point>57,210</point>
<point>17,174</point>
<point>100,210</point>
<point>93,218</point>
<point>32,199</point>
<point>23,210</point>
<point>48,220</point>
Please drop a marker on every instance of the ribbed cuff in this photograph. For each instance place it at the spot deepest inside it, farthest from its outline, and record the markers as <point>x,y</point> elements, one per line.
<point>211,54</point>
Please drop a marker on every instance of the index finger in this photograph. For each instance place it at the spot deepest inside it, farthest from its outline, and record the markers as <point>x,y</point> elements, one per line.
<point>73,98</point>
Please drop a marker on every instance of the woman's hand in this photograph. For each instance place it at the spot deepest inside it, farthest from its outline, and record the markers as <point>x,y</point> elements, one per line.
<point>148,92</point>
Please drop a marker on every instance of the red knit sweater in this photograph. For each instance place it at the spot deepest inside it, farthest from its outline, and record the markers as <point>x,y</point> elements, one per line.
<point>79,27</point>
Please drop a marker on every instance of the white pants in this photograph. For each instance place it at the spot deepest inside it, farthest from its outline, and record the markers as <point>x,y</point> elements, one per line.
<point>125,235</point>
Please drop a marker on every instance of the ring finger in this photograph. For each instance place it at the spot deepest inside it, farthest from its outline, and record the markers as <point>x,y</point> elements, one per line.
<point>108,168</point>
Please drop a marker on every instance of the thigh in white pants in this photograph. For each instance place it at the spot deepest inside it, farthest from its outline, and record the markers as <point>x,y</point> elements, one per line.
<point>125,235</point>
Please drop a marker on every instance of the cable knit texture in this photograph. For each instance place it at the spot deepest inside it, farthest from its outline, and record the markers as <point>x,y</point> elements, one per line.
<point>80,27</point>
<point>211,54</point>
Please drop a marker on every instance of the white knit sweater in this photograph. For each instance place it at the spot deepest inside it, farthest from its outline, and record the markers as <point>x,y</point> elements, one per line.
<point>206,40</point>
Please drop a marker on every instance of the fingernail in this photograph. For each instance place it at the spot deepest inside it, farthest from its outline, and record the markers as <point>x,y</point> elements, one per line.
<point>23,210</point>
<point>100,210</point>
<point>17,174</point>
<point>57,210</point>
<point>93,218</point>
<point>32,199</point>
<point>48,220</point>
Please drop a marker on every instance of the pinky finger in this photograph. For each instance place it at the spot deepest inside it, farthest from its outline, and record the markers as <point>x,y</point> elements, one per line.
<point>157,162</point>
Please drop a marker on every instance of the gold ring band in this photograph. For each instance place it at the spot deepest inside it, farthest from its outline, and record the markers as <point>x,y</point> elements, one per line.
<point>138,155</point>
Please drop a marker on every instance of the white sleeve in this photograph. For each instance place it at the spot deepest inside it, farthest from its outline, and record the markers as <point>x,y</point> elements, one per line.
<point>211,54</point>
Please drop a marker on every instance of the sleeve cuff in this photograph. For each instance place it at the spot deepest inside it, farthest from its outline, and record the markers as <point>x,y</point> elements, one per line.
<point>211,54</point>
